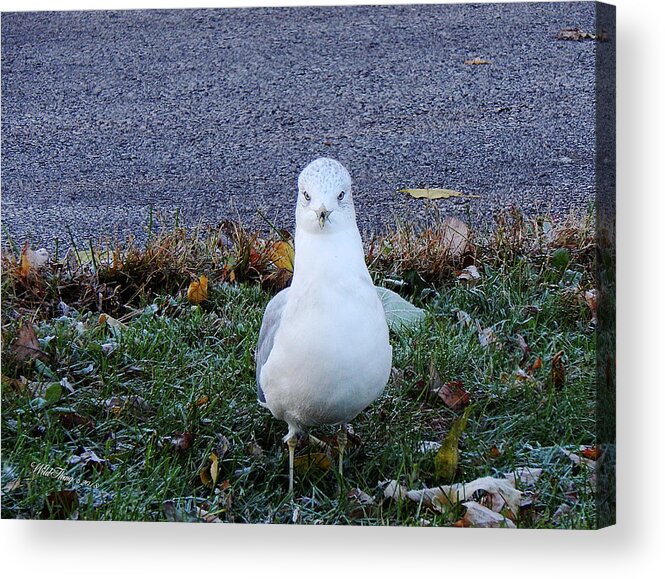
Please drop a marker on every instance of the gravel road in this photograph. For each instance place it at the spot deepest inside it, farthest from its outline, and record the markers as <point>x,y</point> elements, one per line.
<point>211,114</point>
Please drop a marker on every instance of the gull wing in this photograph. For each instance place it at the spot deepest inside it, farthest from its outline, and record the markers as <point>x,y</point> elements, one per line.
<point>271,321</point>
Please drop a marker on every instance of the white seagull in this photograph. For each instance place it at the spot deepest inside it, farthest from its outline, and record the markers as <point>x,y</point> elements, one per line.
<point>323,353</point>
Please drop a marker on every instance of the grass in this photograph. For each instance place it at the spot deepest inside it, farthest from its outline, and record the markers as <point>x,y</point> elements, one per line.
<point>154,398</point>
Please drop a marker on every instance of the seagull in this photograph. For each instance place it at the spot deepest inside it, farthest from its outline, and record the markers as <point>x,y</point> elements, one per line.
<point>323,353</point>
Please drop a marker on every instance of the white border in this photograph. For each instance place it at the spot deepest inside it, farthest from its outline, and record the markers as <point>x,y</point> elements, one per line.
<point>629,549</point>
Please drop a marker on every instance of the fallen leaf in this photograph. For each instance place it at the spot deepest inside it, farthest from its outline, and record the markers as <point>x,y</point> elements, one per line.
<point>282,255</point>
<point>434,193</point>
<point>476,60</point>
<point>558,371</point>
<point>60,505</point>
<point>535,366</point>
<point>206,516</point>
<point>70,420</point>
<point>111,322</point>
<point>487,337</point>
<point>591,299</point>
<point>480,516</point>
<point>591,452</point>
<point>361,504</point>
<point>304,462</point>
<point>470,274</point>
<point>26,346</point>
<point>400,314</point>
<point>31,260</point>
<point>135,404</point>
<point>446,459</point>
<point>493,452</point>
<point>210,472</point>
<point>525,475</point>
<point>499,494</point>
<point>90,460</point>
<point>12,485</point>
<point>524,348</point>
<point>454,395</point>
<point>198,290</point>
<point>182,441</point>
<point>574,34</point>
<point>455,237</point>
<point>202,401</point>
<point>463,318</point>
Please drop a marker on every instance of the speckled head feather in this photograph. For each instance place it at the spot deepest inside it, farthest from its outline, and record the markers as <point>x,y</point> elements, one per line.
<point>325,201</point>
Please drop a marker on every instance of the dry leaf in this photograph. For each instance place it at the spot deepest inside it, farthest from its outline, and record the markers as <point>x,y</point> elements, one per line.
<point>454,395</point>
<point>282,255</point>
<point>591,452</point>
<point>434,193</point>
<point>479,516</point>
<point>535,366</point>
<point>26,345</point>
<point>70,420</point>
<point>111,322</point>
<point>182,441</point>
<point>574,34</point>
<point>487,337</point>
<point>60,505</point>
<point>477,60</point>
<point>524,348</point>
<point>198,290</point>
<point>558,371</point>
<point>591,299</point>
<point>455,237</point>
<point>210,472</point>
<point>527,476</point>
<point>90,461</point>
<point>470,274</point>
<point>31,260</point>
<point>312,459</point>
<point>498,494</point>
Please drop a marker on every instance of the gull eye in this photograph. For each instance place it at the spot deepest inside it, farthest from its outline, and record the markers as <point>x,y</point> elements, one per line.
<point>306,196</point>
<point>341,195</point>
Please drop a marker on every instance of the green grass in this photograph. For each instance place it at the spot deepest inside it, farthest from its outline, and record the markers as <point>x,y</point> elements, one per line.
<point>179,368</point>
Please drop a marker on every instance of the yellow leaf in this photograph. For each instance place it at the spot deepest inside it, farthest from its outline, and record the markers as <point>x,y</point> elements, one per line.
<point>312,459</point>
<point>198,290</point>
<point>210,472</point>
<point>282,255</point>
<point>31,260</point>
<point>434,193</point>
<point>446,459</point>
<point>476,60</point>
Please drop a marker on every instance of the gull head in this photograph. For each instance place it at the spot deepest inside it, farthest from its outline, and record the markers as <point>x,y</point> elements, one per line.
<point>325,203</point>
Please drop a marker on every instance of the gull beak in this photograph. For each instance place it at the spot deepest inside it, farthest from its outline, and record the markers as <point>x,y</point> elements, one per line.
<point>322,213</point>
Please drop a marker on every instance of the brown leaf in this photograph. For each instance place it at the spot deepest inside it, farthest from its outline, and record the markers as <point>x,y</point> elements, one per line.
<point>203,400</point>
<point>477,60</point>
<point>312,459</point>
<point>558,371</point>
<point>524,348</point>
<point>70,420</point>
<point>26,346</point>
<point>455,237</point>
<point>89,459</point>
<point>480,516</point>
<point>31,260</point>
<point>591,452</point>
<point>454,395</point>
<point>183,441</point>
<point>470,275</point>
<point>574,34</point>
<point>591,299</point>
<point>60,505</point>
<point>198,290</point>
<point>535,366</point>
<point>434,193</point>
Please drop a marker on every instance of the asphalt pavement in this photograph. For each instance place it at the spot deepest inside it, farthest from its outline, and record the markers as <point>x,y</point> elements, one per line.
<point>109,117</point>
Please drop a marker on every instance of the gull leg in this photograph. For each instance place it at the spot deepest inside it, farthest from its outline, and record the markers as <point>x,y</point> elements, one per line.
<point>341,445</point>
<point>291,440</point>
